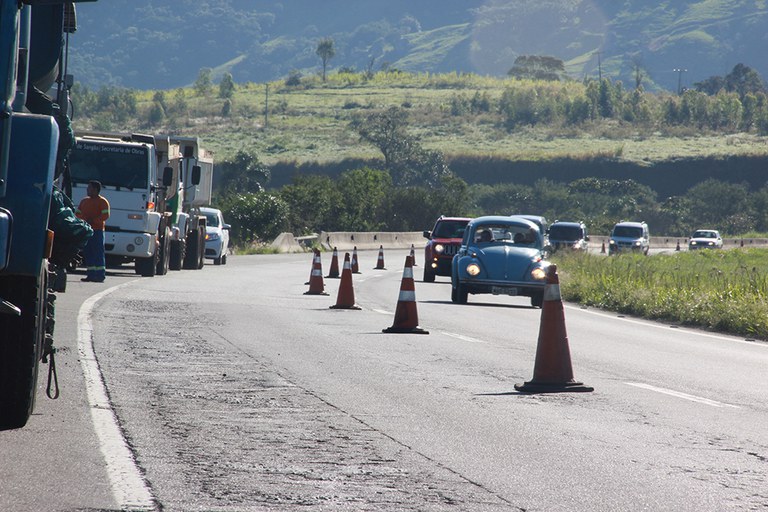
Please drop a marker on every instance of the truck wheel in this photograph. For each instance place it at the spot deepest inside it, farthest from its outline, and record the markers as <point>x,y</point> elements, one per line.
<point>201,256</point>
<point>537,300</point>
<point>164,258</point>
<point>176,259</point>
<point>429,277</point>
<point>21,347</point>
<point>193,251</point>
<point>146,267</point>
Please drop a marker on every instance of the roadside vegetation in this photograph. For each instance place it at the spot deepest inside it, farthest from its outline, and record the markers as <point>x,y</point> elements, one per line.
<point>721,290</point>
<point>375,150</point>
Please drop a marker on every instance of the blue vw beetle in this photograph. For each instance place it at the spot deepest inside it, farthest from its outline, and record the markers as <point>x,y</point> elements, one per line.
<point>502,256</point>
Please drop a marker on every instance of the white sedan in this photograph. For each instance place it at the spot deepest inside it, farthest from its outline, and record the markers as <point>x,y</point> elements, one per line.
<point>216,236</point>
<point>705,239</point>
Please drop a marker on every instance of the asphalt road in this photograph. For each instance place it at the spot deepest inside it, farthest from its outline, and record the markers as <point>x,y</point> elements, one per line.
<point>235,391</point>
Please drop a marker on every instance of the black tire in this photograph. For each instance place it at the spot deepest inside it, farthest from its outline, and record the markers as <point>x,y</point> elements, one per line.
<point>459,294</point>
<point>201,254</point>
<point>192,254</point>
<point>537,300</point>
<point>178,250</point>
<point>21,342</point>
<point>223,259</point>
<point>429,277</point>
<point>217,261</point>
<point>146,267</point>
<point>164,258</point>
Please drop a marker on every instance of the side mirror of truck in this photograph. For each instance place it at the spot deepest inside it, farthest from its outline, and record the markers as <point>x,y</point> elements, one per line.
<point>426,234</point>
<point>226,226</point>
<point>167,176</point>
<point>196,171</point>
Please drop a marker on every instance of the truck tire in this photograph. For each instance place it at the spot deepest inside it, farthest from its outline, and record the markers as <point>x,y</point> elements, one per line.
<point>201,237</point>
<point>146,267</point>
<point>192,256</point>
<point>178,250</point>
<point>164,258</point>
<point>21,345</point>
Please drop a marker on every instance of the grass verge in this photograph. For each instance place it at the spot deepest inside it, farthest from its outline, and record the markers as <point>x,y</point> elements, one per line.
<point>725,291</point>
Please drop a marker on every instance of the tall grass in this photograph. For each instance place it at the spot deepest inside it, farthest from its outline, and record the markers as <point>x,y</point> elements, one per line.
<point>726,291</point>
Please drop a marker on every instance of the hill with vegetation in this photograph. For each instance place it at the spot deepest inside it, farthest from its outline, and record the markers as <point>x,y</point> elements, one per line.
<point>392,151</point>
<point>144,44</point>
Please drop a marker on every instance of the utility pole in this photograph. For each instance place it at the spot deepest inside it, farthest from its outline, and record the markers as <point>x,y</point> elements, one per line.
<point>266,106</point>
<point>679,72</point>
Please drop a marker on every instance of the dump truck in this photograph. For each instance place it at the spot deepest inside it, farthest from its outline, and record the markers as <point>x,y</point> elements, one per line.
<point>35,138</point>
<point>126,164</point>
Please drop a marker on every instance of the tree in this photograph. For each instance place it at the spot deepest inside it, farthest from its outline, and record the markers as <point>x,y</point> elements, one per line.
<point>242,173</point>
<point>742,80</point>
<point>226,86</point>
<point>314,203</point>
<point>255,216</point>
<point>537,67</point>
<point>203,83</point>
<point>326,51</point>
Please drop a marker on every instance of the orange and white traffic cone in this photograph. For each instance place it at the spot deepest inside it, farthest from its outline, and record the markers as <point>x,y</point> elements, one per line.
<point>552,371</point>
<point>413,255</point>
<point>333,273</point>
<point>346,297</point>
<point>406,316</point>
<point>316,286</point>
<point>355,266</point>
<point>380,261</point>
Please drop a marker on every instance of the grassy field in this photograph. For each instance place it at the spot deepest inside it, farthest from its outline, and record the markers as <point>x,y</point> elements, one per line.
<point>726,291</point>
<point>311,123</point>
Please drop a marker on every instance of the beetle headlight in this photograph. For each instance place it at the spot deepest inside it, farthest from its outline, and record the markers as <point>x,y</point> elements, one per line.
<point>439,248</point>
<point>538,274</point>
<point>473,269</point>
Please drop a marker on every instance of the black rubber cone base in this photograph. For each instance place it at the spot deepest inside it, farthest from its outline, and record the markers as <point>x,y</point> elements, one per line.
<point>404,330</point>
<point>315,293</point>
<point>345,307</point>
<point>564,387</point>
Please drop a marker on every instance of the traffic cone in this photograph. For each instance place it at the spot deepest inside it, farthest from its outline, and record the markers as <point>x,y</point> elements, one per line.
<point>552,372</point>
<point>334,272</point>
<point>346,297</point>
<point>602,249</point>
<point>316,286</point>
<point>677,248</point>
<point>380,261</point>
<point>406,316</point>
<point>413,255</point>
<point>355,266</point>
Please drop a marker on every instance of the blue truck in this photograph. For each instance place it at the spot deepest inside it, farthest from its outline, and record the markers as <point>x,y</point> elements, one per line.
<point>34,135</point>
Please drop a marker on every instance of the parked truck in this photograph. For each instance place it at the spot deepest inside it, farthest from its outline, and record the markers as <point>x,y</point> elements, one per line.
<point>139,228</point>
<point>33,50</point>
<point>189,188</point>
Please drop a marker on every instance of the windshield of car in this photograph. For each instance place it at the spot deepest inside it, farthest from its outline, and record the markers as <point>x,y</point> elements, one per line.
<point>517,234</point>
<point>558,232</point>
<point>628,231</point>
<point>704,234</point>
<point>213,219</point>
<point>450,229</point>
<point>113,165</point>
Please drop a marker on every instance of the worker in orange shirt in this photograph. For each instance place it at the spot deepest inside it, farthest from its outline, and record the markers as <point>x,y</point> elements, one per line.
<point>94,210</point>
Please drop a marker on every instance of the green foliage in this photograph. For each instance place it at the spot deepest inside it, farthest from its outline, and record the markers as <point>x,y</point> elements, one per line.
<point>204,82</point>
<point>724,290</point>
<point>226,86</point>
<point>244,172</point>
<point>538,67</point>
<point>255,216</point>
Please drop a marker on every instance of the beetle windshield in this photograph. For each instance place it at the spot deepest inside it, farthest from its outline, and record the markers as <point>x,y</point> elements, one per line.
<point>517,234</point>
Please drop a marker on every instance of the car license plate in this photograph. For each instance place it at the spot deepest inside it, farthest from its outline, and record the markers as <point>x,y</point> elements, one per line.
<point>498,290</point>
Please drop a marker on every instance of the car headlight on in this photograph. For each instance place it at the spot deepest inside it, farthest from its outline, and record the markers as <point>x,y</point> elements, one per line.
<point>693,242</point>
<point>538,274</point>
<point>638,244</point>
<point>211,236</point>
<point>473,269</point>
<point>612,242</point>
<point>710,243</point>
<point>439,248</point>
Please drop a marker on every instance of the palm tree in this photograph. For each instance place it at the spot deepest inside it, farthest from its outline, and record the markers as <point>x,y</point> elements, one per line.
<point>326,51</point>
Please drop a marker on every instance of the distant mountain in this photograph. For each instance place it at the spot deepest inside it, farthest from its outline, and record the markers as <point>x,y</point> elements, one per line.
<point>162,44</point>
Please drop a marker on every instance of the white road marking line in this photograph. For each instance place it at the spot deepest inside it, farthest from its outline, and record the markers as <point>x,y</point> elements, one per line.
<point>462,337</point>
<point>650,323</point>
<point>129,488</point>
<point>684,396</point>
<point>383,312</point>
